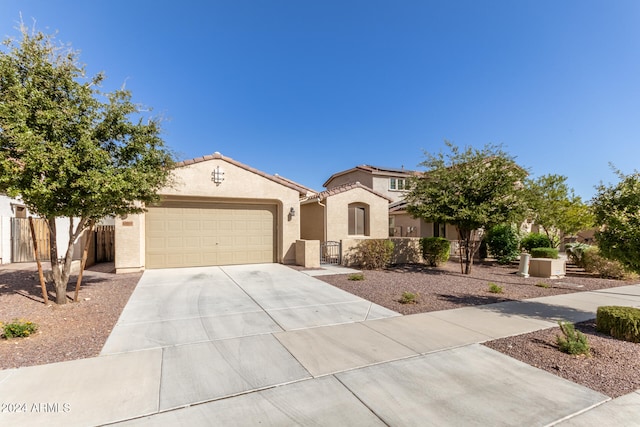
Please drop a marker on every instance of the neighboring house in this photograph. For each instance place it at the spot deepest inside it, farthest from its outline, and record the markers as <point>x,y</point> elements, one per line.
<point>401,224</point>
<point>350,210</point>
<point>391,183</point>
<point>394,184</point>
<point>218,212</point>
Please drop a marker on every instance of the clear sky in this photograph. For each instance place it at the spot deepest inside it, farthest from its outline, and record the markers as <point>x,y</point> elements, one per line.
<point>306,88</point>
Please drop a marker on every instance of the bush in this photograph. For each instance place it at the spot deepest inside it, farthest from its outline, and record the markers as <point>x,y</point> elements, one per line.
<point>544,253</point>
<point>535,240</point>
<point>18,329</point>
<point>619,322</point>
<point>375,254</point>
<point>355,276</point>
<point>606,268</point>
<point>408,298</point>
<point>504,242</point>
<point>435,250</point>
<point>575,252</point>
<point>572,341</point>
<point>495,289</point>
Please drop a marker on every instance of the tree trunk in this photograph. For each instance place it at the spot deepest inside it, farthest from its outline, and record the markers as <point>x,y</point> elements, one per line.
<point>85,253</point>
<point>43,283</point>
<point>61,272</point>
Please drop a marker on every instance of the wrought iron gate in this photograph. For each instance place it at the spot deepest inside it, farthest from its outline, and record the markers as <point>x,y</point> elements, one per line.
<point>330,253</point>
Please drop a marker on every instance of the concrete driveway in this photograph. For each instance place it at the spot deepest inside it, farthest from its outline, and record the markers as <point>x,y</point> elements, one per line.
<point>268,345</point>
<point>172,307</point>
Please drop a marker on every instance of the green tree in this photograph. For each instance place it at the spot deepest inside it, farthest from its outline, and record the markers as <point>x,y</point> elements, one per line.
<point>473,189</point>
<point>68,149</point>
<point>555,207</point>
<point>617,210</point>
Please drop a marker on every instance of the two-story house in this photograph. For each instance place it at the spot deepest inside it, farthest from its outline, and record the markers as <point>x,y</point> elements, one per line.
<point>394,184</point>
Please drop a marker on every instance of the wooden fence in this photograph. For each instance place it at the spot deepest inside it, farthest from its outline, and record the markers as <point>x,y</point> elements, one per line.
<point>103,244</point>
<point>22,243</point>
<point>105,240</point>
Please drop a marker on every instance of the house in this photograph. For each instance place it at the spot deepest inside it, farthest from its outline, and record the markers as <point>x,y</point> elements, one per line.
<point>394,184</point>
<point>217,212</point>
<point>389,182</point>
<point>346,211</point>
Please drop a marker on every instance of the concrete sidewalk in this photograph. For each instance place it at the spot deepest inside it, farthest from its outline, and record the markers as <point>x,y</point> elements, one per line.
<point>248,345</point>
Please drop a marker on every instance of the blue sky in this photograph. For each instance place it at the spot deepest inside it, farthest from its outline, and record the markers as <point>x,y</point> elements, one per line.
<point>308,88</point>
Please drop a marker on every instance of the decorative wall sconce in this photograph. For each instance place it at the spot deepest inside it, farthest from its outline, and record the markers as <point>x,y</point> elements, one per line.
<point>217,176</point>
<point>292,212</point>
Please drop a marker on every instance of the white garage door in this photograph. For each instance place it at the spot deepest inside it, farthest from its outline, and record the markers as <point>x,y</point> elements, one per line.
<point>192,234</point>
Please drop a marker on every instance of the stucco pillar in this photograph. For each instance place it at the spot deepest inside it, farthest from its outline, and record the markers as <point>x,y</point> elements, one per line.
<point>130,244</point>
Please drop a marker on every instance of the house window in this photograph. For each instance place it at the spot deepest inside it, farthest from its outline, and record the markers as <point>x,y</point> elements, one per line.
<point>357,220</point>
<point>439,230</point>
<point>397,184</point>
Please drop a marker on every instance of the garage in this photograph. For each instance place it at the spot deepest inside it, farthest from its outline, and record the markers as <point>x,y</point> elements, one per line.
<point>200,233</point>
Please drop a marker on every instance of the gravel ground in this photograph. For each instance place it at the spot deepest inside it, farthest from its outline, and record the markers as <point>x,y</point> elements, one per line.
<point>612,368</point>
<point>65,332</point>
<point>444,288</point>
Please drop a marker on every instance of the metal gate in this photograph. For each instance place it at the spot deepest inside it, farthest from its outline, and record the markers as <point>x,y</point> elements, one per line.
<point>330,253</point>
<point>22,243</point>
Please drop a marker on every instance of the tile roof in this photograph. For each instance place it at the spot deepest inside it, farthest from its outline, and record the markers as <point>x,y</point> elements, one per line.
<point>344,188</point>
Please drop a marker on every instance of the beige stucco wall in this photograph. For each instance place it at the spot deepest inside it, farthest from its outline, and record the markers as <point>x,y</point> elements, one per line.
<point>364,178</point>
<point>337,208</point>
<point>312,221</point>
<point>381,185</point>
<point>239,186</point>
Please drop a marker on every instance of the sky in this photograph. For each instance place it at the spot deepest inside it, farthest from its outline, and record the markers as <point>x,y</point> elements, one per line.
<point>308,88</point>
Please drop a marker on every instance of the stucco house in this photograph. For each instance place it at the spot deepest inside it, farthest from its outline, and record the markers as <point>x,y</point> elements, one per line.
<point>394,184</point>
<point>217,211</point>
<point>346,211</point>
<point>391,183</point>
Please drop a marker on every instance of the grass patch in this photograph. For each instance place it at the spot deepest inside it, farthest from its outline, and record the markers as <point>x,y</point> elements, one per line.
<point>356,276</point>
<point>543,285</point>
<point>409,298</point>
<point>495,289</point>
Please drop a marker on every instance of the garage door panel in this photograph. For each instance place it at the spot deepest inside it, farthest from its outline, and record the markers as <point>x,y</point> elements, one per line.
<point>200,234</point>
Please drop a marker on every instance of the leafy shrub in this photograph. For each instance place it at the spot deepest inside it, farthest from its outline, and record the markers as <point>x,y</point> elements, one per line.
<point>606,268</point>
<point>435,250</point>
<point>619,322</point>
<point>575,252</point>
<point>375,254</point>
<point>535,240</point>
<point>504,242</point>
<point>544,253</point>
<point>18,329</point>
<point>572,341</point>
<point>355,276</point>
<point>409,298</point>
<point>495,289</point>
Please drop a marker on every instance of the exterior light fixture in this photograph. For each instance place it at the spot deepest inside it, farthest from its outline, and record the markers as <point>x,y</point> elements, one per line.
<point>292,212</point>
<point>217,176</point>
